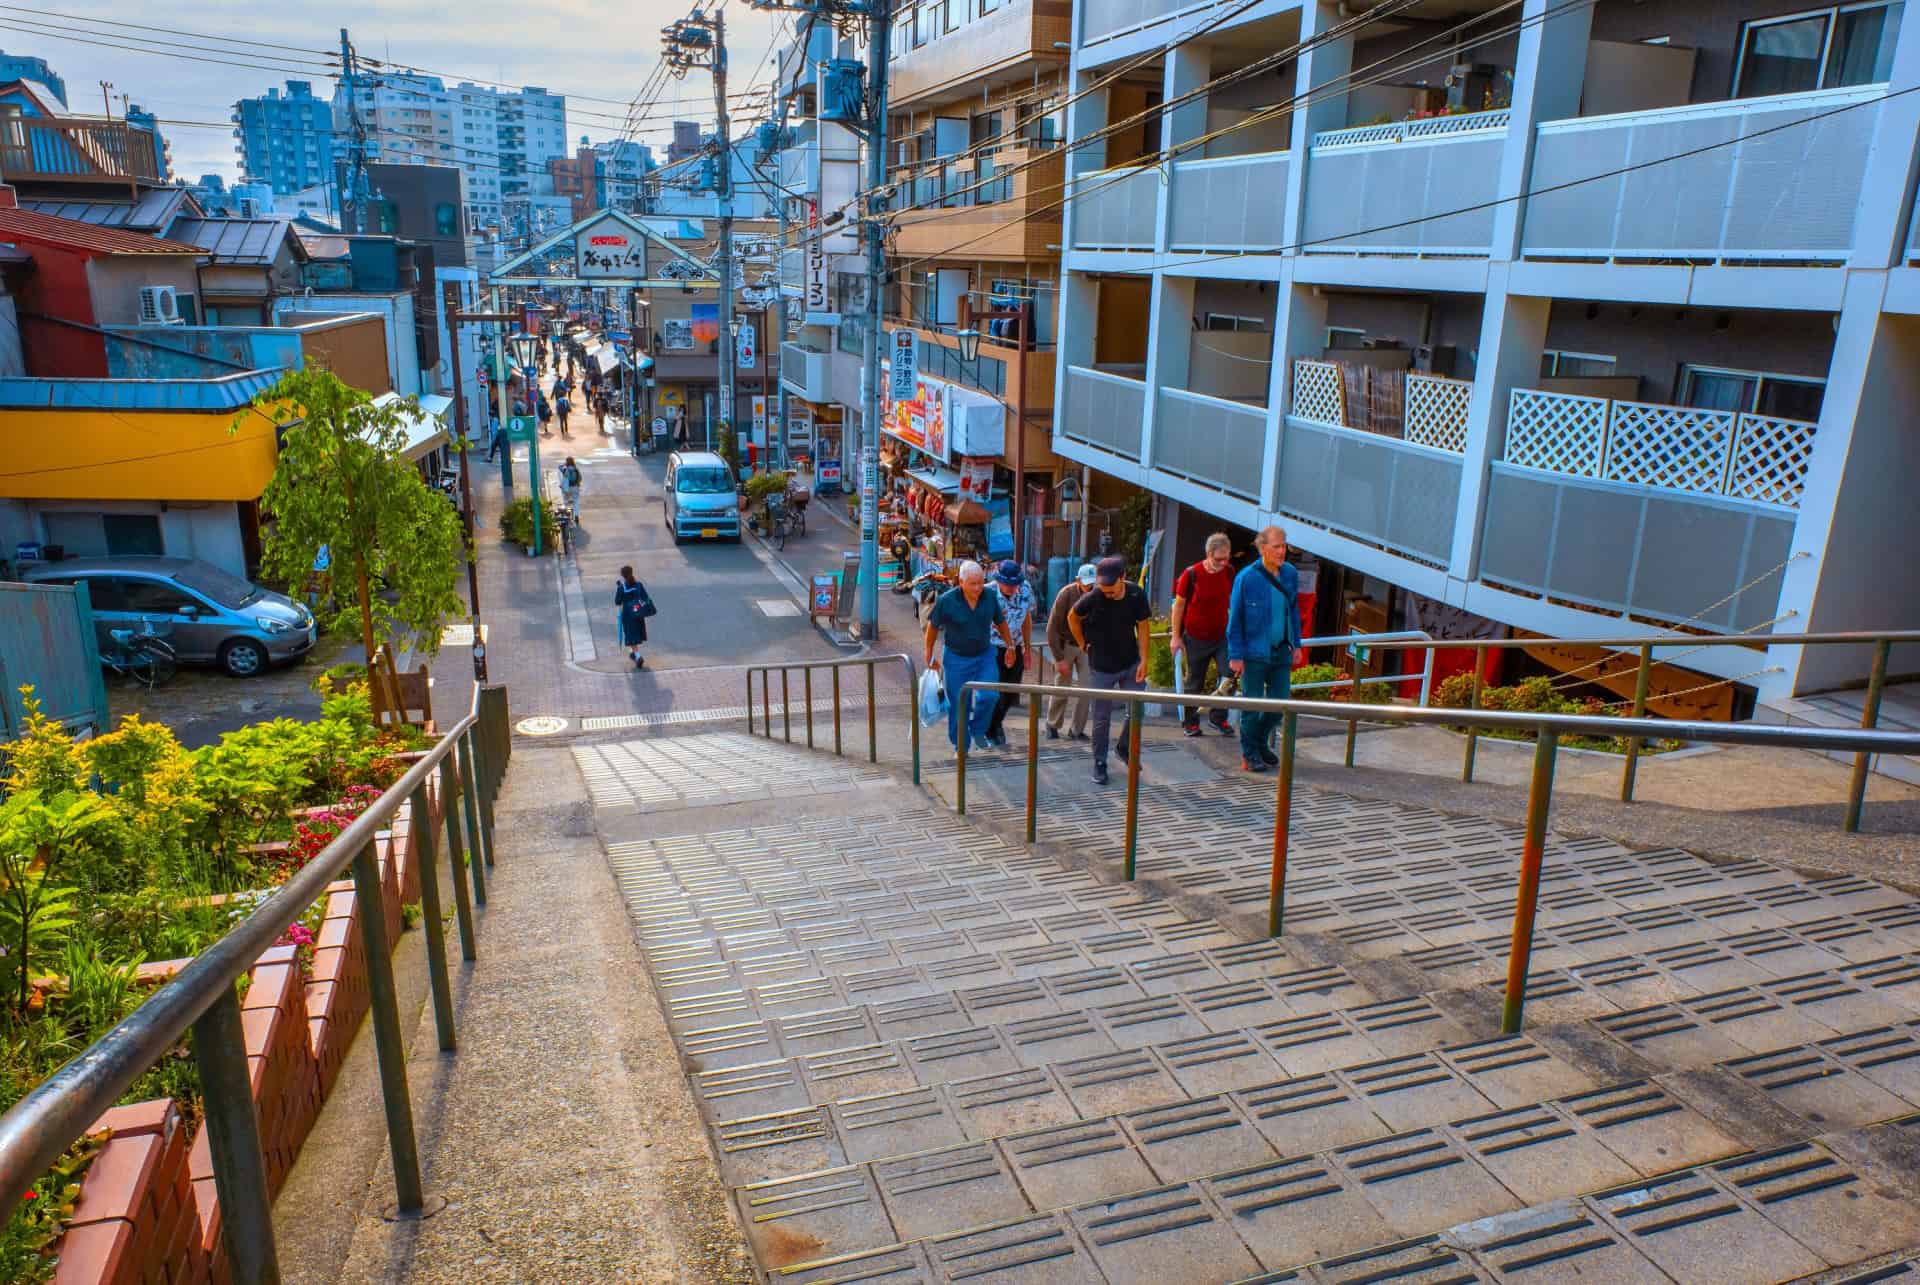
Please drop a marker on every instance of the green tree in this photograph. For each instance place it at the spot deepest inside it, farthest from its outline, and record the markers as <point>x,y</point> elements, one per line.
<point>343,484</point>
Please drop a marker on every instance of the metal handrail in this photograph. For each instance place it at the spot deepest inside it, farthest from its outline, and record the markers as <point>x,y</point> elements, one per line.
<point>1547,727</point>
<point>1882,644</point>
<point>202,998</point>
<point>835,666</point>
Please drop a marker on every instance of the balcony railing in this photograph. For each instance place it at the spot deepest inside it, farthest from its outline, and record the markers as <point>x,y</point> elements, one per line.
<point>1103,19</point>
<point>1116,209</point>
<point>1229,204</point>
<point>1209,440</point>
<point>1374,189</point>
<point>75,150</point>
<point>1394,493</point>
<point>804,371</point>
<point>1748,182</point>
<point>1427,410</point>
<point>1761,459</point>
<point>1104,410</point>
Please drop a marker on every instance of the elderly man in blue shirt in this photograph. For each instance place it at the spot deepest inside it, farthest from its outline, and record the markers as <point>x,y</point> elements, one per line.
<point>1263,631</point>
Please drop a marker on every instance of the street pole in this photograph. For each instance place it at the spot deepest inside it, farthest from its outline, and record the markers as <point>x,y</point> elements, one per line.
<point>452,309</point>
<point>879,41</point>
<point>778,321</point>
<point>724,189</point>
<point>500,395</point>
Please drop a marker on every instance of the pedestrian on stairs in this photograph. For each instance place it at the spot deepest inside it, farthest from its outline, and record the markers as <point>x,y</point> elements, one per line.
<point>1201,595</point>
<point>635,605</point>
<point>1069,658</point>
<point>1016,603</point>
<point>969,616</point>
<point>1112,624</point>
<point>1263,632</point>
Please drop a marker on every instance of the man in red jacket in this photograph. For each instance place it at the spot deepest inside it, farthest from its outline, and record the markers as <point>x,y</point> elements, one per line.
<point>1199,628</point>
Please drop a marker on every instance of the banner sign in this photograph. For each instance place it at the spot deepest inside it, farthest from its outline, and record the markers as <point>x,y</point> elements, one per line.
<point>904,364</point>
<point>976,478</point>
<point>746,346</point>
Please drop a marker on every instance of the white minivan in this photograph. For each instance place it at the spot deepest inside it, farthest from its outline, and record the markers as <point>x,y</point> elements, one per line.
<point>701,501</point>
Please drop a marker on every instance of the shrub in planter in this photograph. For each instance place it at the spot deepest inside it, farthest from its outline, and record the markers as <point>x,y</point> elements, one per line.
<point>516,524</point>
<point>1537,695</point>
<point>1365,693</point>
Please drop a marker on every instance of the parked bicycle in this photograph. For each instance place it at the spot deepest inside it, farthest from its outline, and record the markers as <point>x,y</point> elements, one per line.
<point>778,523</point>
<point>141,655</point>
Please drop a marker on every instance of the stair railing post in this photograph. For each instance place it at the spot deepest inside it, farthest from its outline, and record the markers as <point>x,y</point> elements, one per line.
<point>1527,897</point>
<point>1033,761</point>
<point>1282,824</point>
<point>806,696</point>
<point>1869,719</point>
<point>961,737</point>
<point>427,859</point>
<point>835,671</point>
<point>456,858</point>
<point>389,1047</point>
<point>233,1134</point>
<point>1641,679</point>
<point>1136,707</point>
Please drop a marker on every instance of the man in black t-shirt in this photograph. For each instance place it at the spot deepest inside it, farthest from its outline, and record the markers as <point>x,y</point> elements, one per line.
<point>1112,625</point>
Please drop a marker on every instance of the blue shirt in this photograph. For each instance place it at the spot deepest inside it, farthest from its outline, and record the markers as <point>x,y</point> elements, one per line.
<point>1263,622</point>
<point>968,630</point>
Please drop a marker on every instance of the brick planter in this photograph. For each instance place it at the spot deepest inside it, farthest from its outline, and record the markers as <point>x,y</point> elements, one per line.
<point>148,1212</point>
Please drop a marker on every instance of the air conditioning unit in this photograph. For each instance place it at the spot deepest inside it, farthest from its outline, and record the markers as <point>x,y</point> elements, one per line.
<point>159,306</point>
<point>249,207</point>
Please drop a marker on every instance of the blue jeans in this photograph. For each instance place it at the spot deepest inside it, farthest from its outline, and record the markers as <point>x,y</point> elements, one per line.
<point>959,670</point>
<point>1263,680</point>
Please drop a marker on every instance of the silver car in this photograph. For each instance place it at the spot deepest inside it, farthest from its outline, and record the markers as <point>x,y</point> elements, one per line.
<point>209,615</point>
<point>701,501</point>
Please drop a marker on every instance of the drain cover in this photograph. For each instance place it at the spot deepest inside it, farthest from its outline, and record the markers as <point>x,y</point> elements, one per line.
<point>778,607</point>
<point>541,725</point>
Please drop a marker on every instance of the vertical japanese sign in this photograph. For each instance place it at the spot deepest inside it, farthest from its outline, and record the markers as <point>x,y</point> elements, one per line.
<point>759,418</point>
<point>869,490</point>
<point>816,299</point>
<point>746,344</point>
<point>904,365</point>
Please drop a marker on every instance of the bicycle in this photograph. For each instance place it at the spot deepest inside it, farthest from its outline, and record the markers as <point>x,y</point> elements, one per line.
<point>141,655</point>
<point>779,522</point>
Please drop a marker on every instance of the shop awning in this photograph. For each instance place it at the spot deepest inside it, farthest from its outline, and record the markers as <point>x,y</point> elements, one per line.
<point>944,480</point>
<point>605,358</point>
<point>426,431</point>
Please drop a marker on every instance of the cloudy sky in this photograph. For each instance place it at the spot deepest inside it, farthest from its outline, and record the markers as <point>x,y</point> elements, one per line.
<point>588,51</point>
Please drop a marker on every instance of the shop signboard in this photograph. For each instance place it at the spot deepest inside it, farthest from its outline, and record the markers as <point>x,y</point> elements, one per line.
<point>824,597</point>
<point>869,489</point>
<point>976,478</point>
<point>816,299</point>
<point>904,364</point>
<point>746,346</point>
<point>520,428</point>
<point>999,528</point>
<point>676,334</point>
<point>921,420</point>
<point>607,248</point>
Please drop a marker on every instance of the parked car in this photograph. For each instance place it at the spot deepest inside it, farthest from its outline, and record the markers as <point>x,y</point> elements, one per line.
<point>215,616</point>
<point>702,500</point>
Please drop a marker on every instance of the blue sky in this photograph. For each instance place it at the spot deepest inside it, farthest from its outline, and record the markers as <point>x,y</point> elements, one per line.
<point>600,50</point>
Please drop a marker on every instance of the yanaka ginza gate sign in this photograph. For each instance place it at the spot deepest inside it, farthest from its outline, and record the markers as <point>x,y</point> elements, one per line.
<point>606,249</point>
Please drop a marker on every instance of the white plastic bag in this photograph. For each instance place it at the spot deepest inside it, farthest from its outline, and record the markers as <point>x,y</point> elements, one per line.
<point>933,699</point>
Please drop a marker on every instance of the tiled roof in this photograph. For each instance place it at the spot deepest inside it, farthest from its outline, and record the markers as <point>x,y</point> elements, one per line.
<point>47,229</point>
<point>156,208</point>
<point>248,241</point>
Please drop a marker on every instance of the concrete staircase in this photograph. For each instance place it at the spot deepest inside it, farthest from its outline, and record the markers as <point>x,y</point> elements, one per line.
<point>1899,712</point>
<point>924,1053</point>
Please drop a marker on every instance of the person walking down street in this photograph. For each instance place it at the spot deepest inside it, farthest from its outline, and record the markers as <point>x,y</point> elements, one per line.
<point>1112,625</point>
<point>570,488</point>
<point>1263,632</point>
<point>1016,603</point>
<point>600,409</point>
<point>635,605</point>
<point>496,434</point>
<point>969,616</point>
<point>562,409</point>
<point>1200,598</point>
<point>1069,658</point>
<point>546,417</point>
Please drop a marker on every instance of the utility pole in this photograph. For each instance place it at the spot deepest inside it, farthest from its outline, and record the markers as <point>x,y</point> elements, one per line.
<point>350,191</point>
<point>878,16</point>
<point>700,40</point>
<point>777,317</point>
<point>879,43</point>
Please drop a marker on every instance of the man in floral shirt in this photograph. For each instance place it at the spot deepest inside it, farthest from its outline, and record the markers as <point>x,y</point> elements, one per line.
<point>1016,601</point>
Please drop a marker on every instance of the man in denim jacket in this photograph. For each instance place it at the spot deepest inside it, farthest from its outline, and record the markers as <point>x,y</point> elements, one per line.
<point>1263,631</point>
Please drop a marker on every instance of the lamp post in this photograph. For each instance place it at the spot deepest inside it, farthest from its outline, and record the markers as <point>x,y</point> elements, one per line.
<point>526,348</point>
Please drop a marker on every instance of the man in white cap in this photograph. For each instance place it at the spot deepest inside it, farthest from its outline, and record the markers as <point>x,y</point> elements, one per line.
<point>1069,658</point>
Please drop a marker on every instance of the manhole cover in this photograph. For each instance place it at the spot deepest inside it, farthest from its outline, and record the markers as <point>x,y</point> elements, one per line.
<point>541,725</point>
<point>778,607</point>
<point>460,635</point>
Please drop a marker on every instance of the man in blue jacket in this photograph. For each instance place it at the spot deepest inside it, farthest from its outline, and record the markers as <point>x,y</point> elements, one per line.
<point>1263,630</point>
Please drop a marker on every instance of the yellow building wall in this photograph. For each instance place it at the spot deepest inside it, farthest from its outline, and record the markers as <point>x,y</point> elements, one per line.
<point>134,455</point>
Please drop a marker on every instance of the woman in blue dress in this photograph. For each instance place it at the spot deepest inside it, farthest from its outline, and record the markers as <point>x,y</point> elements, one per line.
<point>630,596</point>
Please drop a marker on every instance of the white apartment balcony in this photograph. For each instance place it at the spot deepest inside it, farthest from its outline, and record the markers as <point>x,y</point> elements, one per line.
<point>1374,189</point>
<point>1116,209</point>
<point>805,372</point>
<point>1789,195</point>
<point>1669,512</point>
<point>1212,441</point>
<point>1397,492</point>
<point>1104,19</point>
<point>1232,203</point>
<point>1103,410</point>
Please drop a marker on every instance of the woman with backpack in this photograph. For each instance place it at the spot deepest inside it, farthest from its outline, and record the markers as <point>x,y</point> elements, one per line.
<point>635,605</point>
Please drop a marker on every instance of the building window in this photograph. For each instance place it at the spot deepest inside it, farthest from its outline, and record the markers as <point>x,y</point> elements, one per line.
<point>1346,337</point>
<point>1756,392</point>
<point>1822,49</point>
<point>1575,365</point>
<point>1228,321</point>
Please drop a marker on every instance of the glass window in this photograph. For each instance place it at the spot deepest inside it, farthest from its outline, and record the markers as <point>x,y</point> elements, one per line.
<point>1752,391</point>
<point>1782,57</point>
<point>106,593</point>
<point>222,587</point>
<point>1824,49</point>
<point>702,481</point>
<point>1574,365</point>
<point>157,597</point>
<point>1862,48</point>
<point>135,534</point>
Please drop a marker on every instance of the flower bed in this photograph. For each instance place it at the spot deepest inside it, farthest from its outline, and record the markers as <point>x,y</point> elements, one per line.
<point>126,847</point>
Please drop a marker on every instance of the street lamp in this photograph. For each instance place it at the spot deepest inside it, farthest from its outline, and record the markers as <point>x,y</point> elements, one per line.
<point>526,347</point>
<point>969,344</point>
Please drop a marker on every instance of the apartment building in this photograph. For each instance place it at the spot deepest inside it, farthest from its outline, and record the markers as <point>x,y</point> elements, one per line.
<point>501,140</point>
<point>285,140</point>
<point>1601,318</point>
